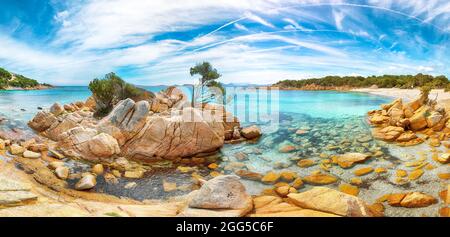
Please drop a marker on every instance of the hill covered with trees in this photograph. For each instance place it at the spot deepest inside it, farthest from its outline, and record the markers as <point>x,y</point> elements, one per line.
<point>385,81</point>
<point>10,80</point>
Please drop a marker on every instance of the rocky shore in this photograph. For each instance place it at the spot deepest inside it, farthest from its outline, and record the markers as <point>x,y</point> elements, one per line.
<point>61,170</point>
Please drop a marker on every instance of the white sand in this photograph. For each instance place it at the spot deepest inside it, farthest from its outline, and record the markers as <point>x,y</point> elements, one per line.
<point>406,94</point>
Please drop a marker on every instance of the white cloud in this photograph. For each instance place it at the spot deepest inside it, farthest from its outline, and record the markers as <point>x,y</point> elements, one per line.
<point>240,27</point>
<point>293,23</point>
<point>258,19</point>
<point>338,18</point>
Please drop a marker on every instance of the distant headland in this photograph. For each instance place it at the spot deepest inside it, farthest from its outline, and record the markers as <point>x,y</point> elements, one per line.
<point>12,81</point>
<point>354,82</point>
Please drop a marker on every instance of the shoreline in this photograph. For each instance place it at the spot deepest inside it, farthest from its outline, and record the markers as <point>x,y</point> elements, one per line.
<point>41,87</point>
<point>393,93</point>
<point>169,208</point>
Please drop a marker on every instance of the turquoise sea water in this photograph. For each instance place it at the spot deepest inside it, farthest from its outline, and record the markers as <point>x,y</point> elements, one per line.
<point>330,119</point>
<point>23,105</point>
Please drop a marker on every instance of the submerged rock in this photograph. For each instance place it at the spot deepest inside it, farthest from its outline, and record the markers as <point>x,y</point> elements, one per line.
<point>349,159</point>
<point>251,132</point>
<point>320,179</point>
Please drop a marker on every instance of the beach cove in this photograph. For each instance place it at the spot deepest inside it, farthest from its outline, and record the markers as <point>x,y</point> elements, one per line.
<point>310,128</point>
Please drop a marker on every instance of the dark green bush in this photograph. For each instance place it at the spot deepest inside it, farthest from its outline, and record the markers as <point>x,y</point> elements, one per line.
<point>4,77</point>
<point>112,89</point>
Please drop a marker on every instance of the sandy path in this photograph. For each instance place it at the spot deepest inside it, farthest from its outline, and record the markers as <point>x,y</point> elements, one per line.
<point>405,94</point>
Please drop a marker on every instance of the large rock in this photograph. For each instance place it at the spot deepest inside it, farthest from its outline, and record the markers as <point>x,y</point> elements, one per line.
<point>331,201</point>
<point>180,135</point>
<point>134,131</point>
<point>221,192</point>
<point>389,133</point>
<point>103,145</point>
<point>434,118</point>
<point>56,109</point>
<point>42,121</point>
<point>87,182</point>
<point>418,120</point>
<point>417,199</point>
<point>251,132</point>
<point>32,155</point>
<point>349,159</point>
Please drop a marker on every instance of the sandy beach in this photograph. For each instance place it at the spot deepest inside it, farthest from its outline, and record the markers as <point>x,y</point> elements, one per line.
<point>406,94</point>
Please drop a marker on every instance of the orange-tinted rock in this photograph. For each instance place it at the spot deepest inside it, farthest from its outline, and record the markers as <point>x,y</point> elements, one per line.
<point>320,179</point>
<point>417,199</point>
<point>444,175</point>
<point>380,170</point>
<point>356,181</point>
<point>286,148</point>
<point>349,159</point>
<point>246,174</point>
<point>288,176</point>
<point>349,189</point>
<point>305,163</point>
<point>328,200</point>
<point>298,183</point>
<point>363,171</point>
<point>395,199</point>
<point>270,177</point>
<point>415,174</point>
<point>401,173</point>
<point>377,209</point>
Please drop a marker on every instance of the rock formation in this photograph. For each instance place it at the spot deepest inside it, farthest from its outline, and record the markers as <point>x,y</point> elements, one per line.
<point>400,122</point>
<point>165,127</point>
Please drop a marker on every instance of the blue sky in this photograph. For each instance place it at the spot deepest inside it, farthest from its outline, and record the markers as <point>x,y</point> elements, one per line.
<point>155,42</point>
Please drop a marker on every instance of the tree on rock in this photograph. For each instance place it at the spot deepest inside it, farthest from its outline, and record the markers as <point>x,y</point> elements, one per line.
<point>209,76</point>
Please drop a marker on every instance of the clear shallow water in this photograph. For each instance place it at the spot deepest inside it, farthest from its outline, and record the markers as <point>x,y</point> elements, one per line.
<point>330,119</point>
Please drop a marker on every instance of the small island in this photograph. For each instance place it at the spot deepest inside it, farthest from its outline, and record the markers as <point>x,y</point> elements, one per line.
<point>12,81</point>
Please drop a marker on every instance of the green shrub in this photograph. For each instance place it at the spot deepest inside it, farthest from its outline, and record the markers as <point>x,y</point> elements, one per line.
<point>23,82</point>
<point>112,89</point>
<point>4,77</point>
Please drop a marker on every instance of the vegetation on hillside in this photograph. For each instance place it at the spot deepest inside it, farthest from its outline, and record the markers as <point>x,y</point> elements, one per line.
<point>8,79</point>
<point>112,89</point>
<point>385,81</point>
<point>209,87</point>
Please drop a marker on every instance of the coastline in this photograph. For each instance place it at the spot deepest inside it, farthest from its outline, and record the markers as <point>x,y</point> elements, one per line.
<point>386,182</point>
<point>405,94</point>
<point>40,87</point>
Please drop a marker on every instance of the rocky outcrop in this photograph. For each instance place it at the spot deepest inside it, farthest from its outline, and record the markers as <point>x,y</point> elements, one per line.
<point>164,127</point>
<point>400,123</point>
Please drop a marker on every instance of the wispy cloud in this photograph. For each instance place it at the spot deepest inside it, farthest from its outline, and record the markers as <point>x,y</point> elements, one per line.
<point>258,19</point>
